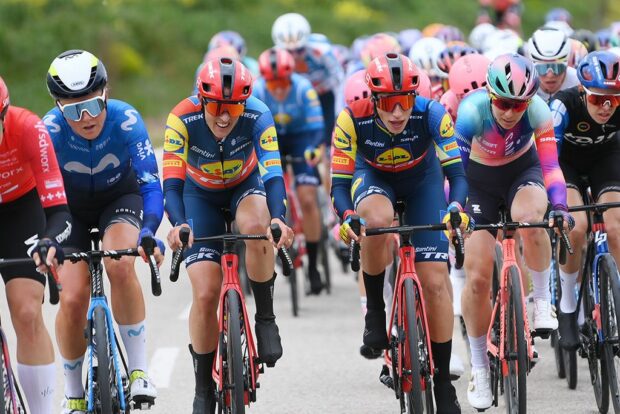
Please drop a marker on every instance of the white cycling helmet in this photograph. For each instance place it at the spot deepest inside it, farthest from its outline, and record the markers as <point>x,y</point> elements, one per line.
<point>290,31</point>
<point>479,34</point>
<point>548,45</point>
<point>424,54</point>
<point>505,39</point>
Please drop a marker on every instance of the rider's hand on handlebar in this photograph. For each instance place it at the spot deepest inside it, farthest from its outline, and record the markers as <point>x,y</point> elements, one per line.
<point>347,234</point>
<point>568,221</point>
<point>174,241</point>
<point>159,250</point>
<point>287,234</point>
<point>467,222</point>
<point>53,253</point>
<point>313,155</point>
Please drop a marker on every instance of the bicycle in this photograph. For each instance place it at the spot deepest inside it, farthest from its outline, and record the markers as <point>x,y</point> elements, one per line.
<point>107,381</point>
<point>237,366</point>
<point>11,399</point>
<point>600,293</point>
<point>409,361</point>
<point>509,339</point>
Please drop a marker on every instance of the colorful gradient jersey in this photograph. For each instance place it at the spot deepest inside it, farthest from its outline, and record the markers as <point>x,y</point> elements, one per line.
<point>485,142</point>
<point>360,140</point>
<point>192,153</point>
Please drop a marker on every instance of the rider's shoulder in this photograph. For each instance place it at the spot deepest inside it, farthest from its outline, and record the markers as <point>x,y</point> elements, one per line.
<point>361,108</point>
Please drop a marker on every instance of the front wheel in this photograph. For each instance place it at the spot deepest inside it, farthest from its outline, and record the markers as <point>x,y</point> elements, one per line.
<point>234,390</point>
<point>323,252</point>
<point>610,315</point>
<point>516,348</point>
<point>106,384</point>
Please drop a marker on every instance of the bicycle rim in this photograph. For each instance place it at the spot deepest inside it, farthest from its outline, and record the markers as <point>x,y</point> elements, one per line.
<point>413,398</point>
<point>515,382</point>
<point>610,308</point>
<point>107,393</point>
<point>233,379</point>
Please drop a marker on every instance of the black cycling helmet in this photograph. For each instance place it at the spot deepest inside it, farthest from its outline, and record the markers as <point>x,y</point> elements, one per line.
<point>75,73</point>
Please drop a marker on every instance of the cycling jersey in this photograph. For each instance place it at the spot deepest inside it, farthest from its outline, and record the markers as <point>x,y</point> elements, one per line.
<point>575,130</point>
<point>192,152</point>
<point>481,138</point>
<point>116,162</point>
<point>361,140</point>
<point>27,160</point>
<point>570,80</point>
<point>319,65</point>
<point>298,113</point>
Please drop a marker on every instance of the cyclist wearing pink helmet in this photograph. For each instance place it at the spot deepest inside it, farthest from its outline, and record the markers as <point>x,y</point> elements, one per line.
<point>467,74</point>
<point>506,138</point>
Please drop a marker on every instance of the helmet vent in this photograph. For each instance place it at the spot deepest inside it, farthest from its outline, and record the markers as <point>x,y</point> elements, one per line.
<point>396,78</point>
<point>93,73</point>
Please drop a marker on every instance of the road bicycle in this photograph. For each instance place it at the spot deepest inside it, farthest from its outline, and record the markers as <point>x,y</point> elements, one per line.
<point>409,361</point>
<point>237,366</point>
<point>107,381</point>
<point>11,399</point>
<point>509,339</point>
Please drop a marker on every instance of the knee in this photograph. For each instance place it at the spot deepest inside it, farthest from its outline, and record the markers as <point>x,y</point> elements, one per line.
<point>253,225</point>
<point>378,219</point>
<point>434,285</point>
<point>479,282</point>
<point>535,236</point>
<point>120,271</point>
<point>73,307</point>
<point>27,319</point>
<point>613,233</point>
<point>307,200</point>
<point>206,300</point>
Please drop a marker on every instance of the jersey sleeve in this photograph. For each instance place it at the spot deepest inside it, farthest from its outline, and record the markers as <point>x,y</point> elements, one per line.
<point>175,163</point>
<point>560,121</point>
<point>468,125</point>
<point>540,117</point>
<point>265,142</point>
<point>442,132</point>
<point>144,165</point>
<point>344,148</point>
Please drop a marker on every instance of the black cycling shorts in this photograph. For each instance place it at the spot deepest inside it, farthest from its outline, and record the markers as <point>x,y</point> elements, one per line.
<point>493,187</point>
<point>21,221</point>
<point>598,169</point>
<point>125,209</point>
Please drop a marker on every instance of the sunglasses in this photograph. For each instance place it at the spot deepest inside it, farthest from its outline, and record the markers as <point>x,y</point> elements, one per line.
<point>388,102</point>
<point>217,108</point>
<point>556,68</point>
<point>504,104</point>
<point>75,111</point>
<point>603,100</point>
<point>274,84</point>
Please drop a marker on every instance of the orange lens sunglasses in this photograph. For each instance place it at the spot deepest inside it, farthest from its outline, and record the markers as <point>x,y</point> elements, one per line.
<point>216,108</point>
<point>388,102</point>
<point>602,100</point>
<point>281,83</point>
<point>504,104</point>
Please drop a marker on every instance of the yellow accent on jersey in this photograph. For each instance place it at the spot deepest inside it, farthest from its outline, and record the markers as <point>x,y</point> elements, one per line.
<point>446,128</point>
<point>269,139</point>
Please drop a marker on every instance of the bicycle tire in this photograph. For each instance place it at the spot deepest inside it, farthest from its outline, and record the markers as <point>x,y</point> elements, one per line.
<point>515,385</point>
<point>559,354</point>
<point>569,359</point>
<point>327,277</point>
<point>292,278</point>
<point>233,379</point>
<point>4,373</point>
<point>413,398</point>
<point>593,351</point>
<point>105,367</point>
<point>497,271</point>
<point>610,298</point>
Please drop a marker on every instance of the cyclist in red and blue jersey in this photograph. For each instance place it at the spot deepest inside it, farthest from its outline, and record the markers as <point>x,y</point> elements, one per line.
<point>506,166</point>
<point>586,122</point>
<point>299,124</point>
<point>396,145</point>
<point>221,152</point>
<point>112,183</point>
<point>33,217</point>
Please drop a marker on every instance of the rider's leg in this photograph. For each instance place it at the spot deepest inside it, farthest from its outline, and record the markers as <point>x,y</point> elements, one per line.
<point>307,195</point>
<point>612,223</point>
<point>35,353</point>
<point>569,272</point>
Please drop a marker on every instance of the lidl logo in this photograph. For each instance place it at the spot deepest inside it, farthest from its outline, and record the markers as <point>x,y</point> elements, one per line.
<point>446,128</point>
<point>269,140</point>
<point>172,142</point>
<point>394,156</point>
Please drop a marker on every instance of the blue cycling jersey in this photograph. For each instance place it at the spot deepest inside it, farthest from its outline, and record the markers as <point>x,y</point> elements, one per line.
<point>121,156</point>
<point>298,113</point>
<point>319,65</point>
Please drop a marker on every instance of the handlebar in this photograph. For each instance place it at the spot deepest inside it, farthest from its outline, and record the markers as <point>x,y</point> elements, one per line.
<point>354,247</point>
<point>285,258</point>
<point>149,244</point>
<point>457,241</point>
<point>52,278</point>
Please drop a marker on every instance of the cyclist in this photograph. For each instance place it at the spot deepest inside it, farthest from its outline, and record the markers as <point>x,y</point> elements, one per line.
<point>549,49</point>
<point>233,39</point>
<point>314,60</point>
<point>505,14</point>
<point>494,129</point>
<point>587,121</point>
<point>299,124</point>
<point>221,151</point>
<point>112,183</point>
<point>384,150</point>
<point>34,216</point>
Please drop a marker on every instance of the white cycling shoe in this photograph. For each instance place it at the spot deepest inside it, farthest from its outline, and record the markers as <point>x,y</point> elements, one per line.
<point>142,390</point>
<point>479,392</point>
<point>545,318</point>
<point>456,367</point>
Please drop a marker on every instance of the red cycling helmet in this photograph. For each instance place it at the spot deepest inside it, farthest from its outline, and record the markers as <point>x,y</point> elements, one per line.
<point>276,64</point>
<point>4,97</point>
<point>224,79</point>
<point>392,73</point>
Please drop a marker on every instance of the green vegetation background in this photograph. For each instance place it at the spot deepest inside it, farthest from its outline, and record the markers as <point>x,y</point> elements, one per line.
<point>151,47</point>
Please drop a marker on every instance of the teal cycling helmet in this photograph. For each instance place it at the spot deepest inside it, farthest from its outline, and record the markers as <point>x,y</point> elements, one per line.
<point>512,76</point>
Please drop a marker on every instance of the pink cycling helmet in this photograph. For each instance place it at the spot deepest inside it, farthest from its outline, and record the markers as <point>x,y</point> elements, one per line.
<point>468,73</point>
<point>355,87</point>
<point>425,87</point>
